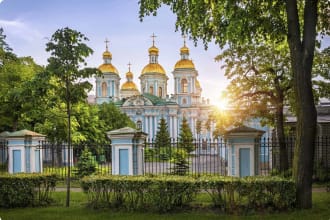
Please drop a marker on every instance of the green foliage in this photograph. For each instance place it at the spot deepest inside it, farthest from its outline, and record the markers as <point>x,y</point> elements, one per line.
<point>167,193</point>
<point>163,139</point>
<point>86,164</point>
<point>180,159</point>
<point>242,195</point>
<point>112,118</point>
<point>21,190</point>
<point>161,194</point>
<point>185,136</point>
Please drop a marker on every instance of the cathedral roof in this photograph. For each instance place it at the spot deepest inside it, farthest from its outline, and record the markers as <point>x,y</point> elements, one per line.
<point>129,86</point>
<point>153,68</point>
<point>184,64</point>
<point>108,68</point>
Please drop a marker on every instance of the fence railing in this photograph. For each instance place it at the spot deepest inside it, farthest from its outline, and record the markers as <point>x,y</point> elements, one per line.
<point>198,157</point>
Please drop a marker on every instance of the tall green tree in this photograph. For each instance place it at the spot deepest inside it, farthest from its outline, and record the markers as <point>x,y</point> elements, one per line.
<point>185,136</point>
<point>15,73</point>
<point>112,118</point>
<point>322,67</point>
<point>240,22</point>
<point>68,53</point>
<point>163,138</point>
<point>260,85</point>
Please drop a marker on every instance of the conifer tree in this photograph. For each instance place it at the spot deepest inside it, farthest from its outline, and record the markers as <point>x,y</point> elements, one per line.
<point>163,138</point>
<point>185,136</point>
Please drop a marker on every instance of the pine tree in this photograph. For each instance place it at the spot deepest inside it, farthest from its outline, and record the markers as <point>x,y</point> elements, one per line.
<point>162,137</point>
<point>163,141</point>
<point>186,137</point>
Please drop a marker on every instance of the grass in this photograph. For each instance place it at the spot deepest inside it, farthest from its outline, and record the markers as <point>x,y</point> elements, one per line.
<point>78,210</point>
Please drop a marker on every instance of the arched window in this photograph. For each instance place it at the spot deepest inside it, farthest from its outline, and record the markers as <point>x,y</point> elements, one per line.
<point>184,86</point>
<point>160,91</point>
<point>139,125</point>
<point>151,90</point>
<point>104,89</point>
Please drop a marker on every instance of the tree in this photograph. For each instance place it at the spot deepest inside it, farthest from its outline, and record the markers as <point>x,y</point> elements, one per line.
<point>15,73</point>
<point>322,67</point>
<point>163,138</point>
<point>68,54</point>
<point>198,127</point>
<point>260,85</point>
<point>185,136</point>
<point>163,141</point>
<point>112,118</point>
<point>240,22</point>
<point>3,44</point>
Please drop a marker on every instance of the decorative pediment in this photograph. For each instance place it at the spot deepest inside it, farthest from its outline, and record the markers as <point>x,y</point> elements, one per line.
<point>137,100</point>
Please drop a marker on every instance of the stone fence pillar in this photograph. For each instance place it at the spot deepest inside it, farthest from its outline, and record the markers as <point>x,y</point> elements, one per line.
<point>243,151</point>
<point>24,153</point>
<point>127,151</point>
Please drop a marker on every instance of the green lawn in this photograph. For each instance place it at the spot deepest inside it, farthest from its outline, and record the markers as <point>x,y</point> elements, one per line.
<point>78,210</point>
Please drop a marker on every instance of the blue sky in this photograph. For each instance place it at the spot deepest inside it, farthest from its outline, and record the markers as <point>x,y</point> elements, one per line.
<point>28,24</point>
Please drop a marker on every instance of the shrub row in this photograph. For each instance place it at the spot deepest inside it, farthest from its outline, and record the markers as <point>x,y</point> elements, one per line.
<point>166,193</point>
<point>21,190</point>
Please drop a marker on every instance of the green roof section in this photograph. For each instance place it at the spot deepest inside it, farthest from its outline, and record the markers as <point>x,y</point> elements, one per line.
<point>23,133</point>
<point>157,101</point>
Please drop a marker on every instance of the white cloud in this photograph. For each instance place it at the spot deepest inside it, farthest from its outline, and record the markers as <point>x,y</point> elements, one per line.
<point>21,30</point>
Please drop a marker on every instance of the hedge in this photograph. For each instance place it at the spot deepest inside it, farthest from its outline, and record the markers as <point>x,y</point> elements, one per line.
<point>22,190</point>
<point>167,193</point>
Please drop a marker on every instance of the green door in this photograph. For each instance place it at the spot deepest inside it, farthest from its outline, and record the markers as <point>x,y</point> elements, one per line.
<point>244,162</point>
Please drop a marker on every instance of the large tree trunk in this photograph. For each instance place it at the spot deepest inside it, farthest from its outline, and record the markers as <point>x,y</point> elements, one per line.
<point>302,54</point>
<point>284,164</point>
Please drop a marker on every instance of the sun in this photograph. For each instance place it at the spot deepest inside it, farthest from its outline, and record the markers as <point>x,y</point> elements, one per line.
<point>221,103</point>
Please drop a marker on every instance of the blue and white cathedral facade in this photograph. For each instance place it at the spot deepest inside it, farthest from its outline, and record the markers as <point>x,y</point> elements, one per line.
<point>151,103</point>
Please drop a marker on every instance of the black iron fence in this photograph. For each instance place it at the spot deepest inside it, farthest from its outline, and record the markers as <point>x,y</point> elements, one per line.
<point>198,157</point>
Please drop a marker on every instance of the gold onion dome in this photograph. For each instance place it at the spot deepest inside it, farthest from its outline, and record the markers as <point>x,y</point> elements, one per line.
<point>153,68</point>
<point>184,64</point>
<point>184,50</point>
<point>129,86</point>
<point>107,54</point>
<point>153,50</point>
<point>108,68</point>
<point>198,85</point>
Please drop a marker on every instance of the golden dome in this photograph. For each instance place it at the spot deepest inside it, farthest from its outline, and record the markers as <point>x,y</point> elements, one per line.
<point>129,74</point>
<point>129,86</point>
<point>153,68</point>
<point>184,64</point>
<point>153,49</point>
<point>108,68</point>
<point>198,85</point>
<point>107,54</point>
<point>184,49</point>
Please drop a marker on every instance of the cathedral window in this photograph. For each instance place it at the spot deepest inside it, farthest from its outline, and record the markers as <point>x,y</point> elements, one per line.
<point>139,125</point>
<point>151,90</point>
<point>184,86</point>
<point>160,91</point>
<point>104,89</point>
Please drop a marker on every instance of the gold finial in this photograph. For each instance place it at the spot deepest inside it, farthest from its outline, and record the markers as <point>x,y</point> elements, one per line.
<point>106,43</point>
<point>184,40</point>
<point>129,66</point>
<point>153,36</point>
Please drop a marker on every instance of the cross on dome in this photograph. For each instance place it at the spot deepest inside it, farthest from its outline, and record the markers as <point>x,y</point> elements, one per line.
<point>129,66</point>
<point>153,36</point>
<point>106,43</point>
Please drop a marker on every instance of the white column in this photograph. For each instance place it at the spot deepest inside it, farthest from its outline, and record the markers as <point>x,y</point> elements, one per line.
<point>171,126</point>
<point>150,127</point>
<point>146,125</point>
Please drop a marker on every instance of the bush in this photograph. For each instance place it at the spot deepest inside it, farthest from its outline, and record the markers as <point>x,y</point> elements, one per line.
<point>21,190</point>
<point>167,193</point>
<point>86,164</point>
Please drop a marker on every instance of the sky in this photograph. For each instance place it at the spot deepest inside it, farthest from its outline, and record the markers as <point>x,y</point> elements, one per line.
<point>29,24</point>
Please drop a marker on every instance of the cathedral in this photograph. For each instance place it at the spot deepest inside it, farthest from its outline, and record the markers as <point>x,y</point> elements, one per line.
<point>151,103</point>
